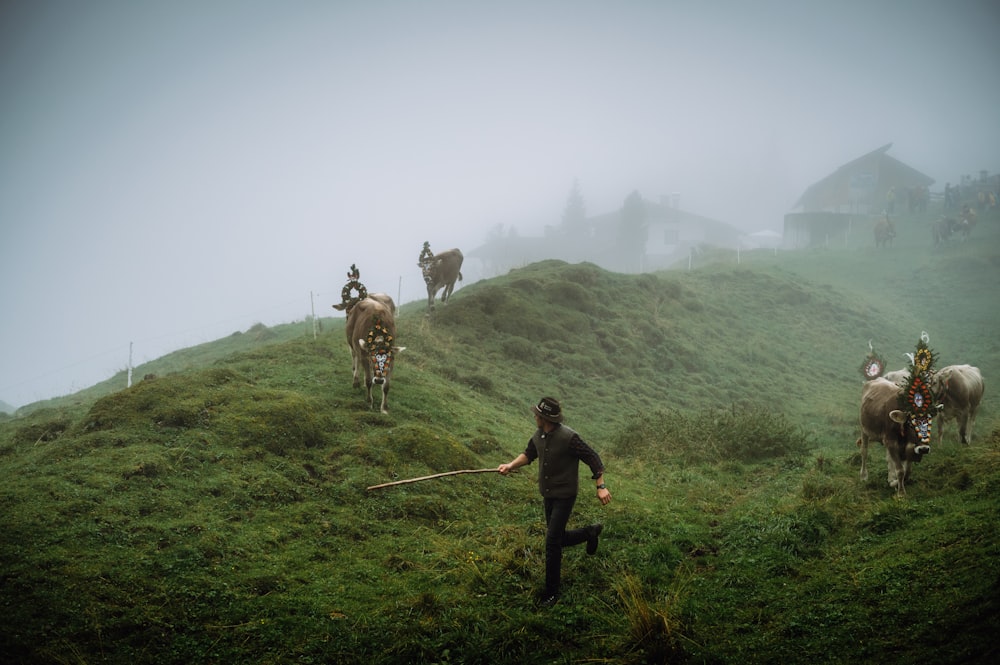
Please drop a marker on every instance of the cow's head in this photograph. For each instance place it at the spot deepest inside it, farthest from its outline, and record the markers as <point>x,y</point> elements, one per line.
<point>425,263</point>
<point>917,401</point>
<point>379,347</point>
<point>915,432</point>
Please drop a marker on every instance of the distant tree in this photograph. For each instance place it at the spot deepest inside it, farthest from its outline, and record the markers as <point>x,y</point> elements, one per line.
<point>495,233</point>
<point>498,233</point>
<point>575,212</point>
<point>632,232</point>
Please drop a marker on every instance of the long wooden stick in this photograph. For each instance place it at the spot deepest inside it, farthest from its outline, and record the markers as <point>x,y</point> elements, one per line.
<point>436,475</point>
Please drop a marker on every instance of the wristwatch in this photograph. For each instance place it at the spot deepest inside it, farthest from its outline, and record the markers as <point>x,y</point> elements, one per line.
<point>602,486</point>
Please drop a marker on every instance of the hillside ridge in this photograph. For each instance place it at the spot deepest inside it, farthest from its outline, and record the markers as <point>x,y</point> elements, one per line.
<point>217,509</point>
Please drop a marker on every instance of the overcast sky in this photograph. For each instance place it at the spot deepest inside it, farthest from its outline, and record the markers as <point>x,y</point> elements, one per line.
<point>175,171</point>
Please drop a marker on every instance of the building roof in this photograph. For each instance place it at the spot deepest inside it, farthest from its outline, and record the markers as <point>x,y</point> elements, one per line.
<point>863,180</point>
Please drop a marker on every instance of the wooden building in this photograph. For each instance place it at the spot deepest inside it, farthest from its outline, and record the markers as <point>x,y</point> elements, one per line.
<point>872,184</point>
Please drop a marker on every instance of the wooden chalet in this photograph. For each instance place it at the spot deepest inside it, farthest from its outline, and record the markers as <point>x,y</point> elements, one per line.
<point>828,209</point>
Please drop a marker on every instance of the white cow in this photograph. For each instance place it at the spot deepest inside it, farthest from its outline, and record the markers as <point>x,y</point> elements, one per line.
<point>960,389</point>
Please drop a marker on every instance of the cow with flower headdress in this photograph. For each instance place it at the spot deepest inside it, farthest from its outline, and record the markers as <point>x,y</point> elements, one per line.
<point>371,335</point>
<point>440,271</point>
<point>899,416</point>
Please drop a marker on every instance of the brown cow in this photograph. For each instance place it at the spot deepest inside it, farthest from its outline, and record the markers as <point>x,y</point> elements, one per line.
<point>885,231</point>
<point>960,389</point>
<point>898,376</point>
<point>967,223</point>
<point>441,271</point>
<point>371,331</point>
<point>942,229</point>
<point>385,299</point>
<point>882,420</point>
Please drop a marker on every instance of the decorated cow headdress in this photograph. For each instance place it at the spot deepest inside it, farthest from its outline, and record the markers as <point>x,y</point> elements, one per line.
<point>425,261</point>
<point>917,399</point>
<point>378,345</point>
<point>348,299</point>
<point>873,365</point>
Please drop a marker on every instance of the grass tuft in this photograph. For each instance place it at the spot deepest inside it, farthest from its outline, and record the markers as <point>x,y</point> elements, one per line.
<point>654,627</point>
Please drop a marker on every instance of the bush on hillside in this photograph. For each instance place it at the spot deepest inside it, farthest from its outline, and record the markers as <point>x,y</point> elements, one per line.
<point>218,400</point>
<point>743,434</point>
<point>43,426</point>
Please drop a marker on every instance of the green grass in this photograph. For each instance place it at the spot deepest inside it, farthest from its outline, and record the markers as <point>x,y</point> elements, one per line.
<point>216,512</point>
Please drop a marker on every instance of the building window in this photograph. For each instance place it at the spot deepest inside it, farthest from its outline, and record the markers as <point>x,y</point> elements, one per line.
<point>671,236</point>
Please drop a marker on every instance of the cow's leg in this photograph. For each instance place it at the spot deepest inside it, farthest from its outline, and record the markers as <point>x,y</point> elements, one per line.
<point>369,379</point>
<point>354,360</point>
<point>963,431</point>
<point>895,472</point>
<point>863,444</point>
<point>890,469</point>
<point>385,397</point>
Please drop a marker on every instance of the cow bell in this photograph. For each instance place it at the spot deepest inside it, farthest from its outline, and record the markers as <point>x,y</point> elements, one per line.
<point>922,428</point>
<point>381,361</point>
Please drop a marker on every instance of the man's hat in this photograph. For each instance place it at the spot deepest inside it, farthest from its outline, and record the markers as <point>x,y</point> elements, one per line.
<point>548,409</point>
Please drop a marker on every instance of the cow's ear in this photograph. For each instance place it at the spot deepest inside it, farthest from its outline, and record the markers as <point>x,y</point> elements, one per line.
<point>897,416</point>
<point>397,349</point>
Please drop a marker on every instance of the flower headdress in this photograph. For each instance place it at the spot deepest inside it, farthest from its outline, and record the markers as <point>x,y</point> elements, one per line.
<point>873,365</point>
<point>379,346</point>
<point>347,297</point>
<point>917,398</point>
<point>425,261</point>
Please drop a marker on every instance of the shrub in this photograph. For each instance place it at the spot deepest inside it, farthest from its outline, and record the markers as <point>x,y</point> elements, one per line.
<point>276,420</point>
<point>518,348</point>
<point>743,434</point>
<point>571,295</point>
<point>42,430</point>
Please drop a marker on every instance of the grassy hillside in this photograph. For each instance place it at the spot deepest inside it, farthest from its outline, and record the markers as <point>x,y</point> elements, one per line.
<point>218,511</point>
<point>193,357</point>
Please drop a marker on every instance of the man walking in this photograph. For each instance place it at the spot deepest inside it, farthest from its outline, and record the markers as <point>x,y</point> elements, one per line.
<point>559,451</point>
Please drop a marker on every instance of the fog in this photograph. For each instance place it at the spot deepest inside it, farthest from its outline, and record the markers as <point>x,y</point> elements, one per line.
<point>172,172</point>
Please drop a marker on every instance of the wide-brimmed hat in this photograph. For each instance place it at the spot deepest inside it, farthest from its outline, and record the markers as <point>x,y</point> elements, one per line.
<point>548,409</point>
